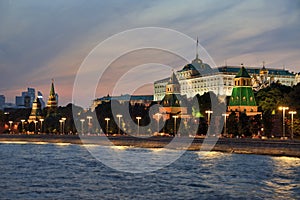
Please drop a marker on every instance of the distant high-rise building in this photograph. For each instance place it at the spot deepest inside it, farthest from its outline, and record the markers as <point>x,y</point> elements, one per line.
<point>40,96</point>
<point>2,101</point>
<point>26,99</point>
<point>53,97</point>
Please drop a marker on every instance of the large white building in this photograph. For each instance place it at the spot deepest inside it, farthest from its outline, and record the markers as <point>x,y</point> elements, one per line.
<point>198,77</point>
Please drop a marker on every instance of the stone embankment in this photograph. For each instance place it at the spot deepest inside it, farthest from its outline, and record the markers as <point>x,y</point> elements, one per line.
<point>273,147</point>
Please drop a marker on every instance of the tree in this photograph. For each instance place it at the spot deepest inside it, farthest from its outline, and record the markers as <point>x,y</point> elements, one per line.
<point>232,124</point>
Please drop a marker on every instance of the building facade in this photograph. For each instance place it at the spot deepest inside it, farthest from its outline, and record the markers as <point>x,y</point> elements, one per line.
<point>198,78</point>
<point>2,102</point>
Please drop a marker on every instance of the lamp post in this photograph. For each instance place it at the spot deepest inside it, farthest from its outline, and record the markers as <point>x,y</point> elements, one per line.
<point>63,124</point>
<point>35,122</point>
<point>158,118</point>
<point>82,121</point>
<point>138,119</point>
<point>225,119</point>
<point>208,112</point>
<point>292,113</point>
<point>10,124</point>
<point>42,120</point>
<point>89,124</point>
<point>22,120</point>
<point>175,120</point>
<point>283,119</point>
<point>119,125</point>
<point>107,121</point>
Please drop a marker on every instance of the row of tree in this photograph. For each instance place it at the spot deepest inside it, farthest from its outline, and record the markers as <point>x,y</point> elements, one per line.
<point>268,100</point>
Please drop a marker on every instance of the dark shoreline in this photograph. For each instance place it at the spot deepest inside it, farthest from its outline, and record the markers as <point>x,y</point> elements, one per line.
<point>271,147</point>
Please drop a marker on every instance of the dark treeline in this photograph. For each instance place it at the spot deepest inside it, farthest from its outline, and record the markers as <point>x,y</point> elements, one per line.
<point>269,124</point>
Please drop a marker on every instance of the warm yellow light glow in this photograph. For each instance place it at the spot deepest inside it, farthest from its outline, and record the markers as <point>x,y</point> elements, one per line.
<point>283,108</point>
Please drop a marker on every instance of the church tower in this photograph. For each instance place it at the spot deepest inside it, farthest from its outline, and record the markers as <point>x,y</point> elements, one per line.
<point>263,73</point>
<point>52,100</point>
<point>242,97</point>
<point>36,111</point>
<point>173,86</point>
<point>173,102</point>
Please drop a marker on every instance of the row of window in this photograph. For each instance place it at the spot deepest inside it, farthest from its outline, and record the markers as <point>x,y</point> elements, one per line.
<point>244,98</point>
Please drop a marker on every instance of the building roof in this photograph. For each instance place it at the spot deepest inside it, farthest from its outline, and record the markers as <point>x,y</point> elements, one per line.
<point>254,70</point>
<point>242,73</point>
<point>126,97</point>
<point>173,79</point>
<point>52,91</point>
<point>242,96</point>
<point>173,100</point>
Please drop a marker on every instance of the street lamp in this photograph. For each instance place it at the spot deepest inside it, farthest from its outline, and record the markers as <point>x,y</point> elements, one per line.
<point>119,117</point>
<point>107,121</point>
<point>42,120</point>
<point>225,119</point>
<point>292,113</point>
<point>22,120</point>
<point>208,112</point>
<point>82,121</point>
<point>138,118</point>
<point>89,124</point>
<point>35,126</point>
<point>10,123</point>
<point>158,118</point>
<point>63,124</point>
<point>175,119</point>
<point>283,119</point>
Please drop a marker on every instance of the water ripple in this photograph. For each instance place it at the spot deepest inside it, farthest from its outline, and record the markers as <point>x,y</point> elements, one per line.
<point>49,171</point>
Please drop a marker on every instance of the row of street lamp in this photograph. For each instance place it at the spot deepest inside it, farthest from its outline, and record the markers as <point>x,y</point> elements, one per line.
<point>175,117</point>
<point>282,108</point>
<point>292,113</point>
<point>119,116</point>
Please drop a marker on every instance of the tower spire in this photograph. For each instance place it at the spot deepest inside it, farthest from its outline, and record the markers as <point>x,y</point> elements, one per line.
<point>52,91</point>
<point>52,100</point>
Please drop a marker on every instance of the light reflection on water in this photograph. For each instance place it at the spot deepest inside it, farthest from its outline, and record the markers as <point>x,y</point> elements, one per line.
<point>49,171</point>
<point>285,177</point>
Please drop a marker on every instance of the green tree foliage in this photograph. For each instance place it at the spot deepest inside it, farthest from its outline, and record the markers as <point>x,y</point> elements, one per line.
<point>268,100</point>
<point>232,124</point>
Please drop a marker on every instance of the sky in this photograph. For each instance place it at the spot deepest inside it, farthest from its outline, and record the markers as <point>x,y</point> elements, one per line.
<point>41,40</point>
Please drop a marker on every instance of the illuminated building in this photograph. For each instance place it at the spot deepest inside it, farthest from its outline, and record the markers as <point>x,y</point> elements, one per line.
<point>52,100</point>
<point>242,98</point>
<point>36,111</point>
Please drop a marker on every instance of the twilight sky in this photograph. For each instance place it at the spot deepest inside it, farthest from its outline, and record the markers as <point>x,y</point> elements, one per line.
<point>41,40</point>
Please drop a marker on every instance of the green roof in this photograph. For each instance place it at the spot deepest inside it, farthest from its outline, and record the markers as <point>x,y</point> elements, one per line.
<point>242,73</point>
<point>242,96</point>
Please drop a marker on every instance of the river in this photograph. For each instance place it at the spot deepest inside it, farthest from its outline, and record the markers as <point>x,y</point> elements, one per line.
<point>57,171</point>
